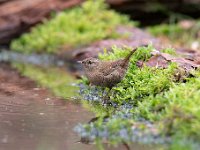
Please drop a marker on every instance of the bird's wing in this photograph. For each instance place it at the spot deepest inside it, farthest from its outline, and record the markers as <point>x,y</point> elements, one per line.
<point>110,67</point>
<point>95,77</point>
<point>113,78</point>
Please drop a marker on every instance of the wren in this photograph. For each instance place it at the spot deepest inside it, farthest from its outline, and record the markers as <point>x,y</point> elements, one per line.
<point>106,73</point>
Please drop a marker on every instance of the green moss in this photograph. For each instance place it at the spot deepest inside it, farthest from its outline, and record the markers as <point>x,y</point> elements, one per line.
<point>142,53</point>
<point>165,29</point>
<point>57,80</point>
<point>170,51</point>
<point>139,83</point>
<point>180,143</point>
<point>98,110</point>
<point>183,113</point>
<point>81,25</point>
<point>177,110</point>
<point>156,97</point>
<point>177,34</point>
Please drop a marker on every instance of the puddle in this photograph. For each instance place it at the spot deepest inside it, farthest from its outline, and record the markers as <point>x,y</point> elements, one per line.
<point>35,59</point>
<point>37,126</point>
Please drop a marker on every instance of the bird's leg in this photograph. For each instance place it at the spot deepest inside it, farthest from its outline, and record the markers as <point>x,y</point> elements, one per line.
<point>106,98</point>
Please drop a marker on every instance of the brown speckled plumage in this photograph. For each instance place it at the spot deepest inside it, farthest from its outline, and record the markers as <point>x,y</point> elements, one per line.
<point>106,73</point>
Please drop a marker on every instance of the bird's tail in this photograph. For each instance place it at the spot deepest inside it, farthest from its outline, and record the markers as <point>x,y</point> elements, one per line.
<point>127,58</point>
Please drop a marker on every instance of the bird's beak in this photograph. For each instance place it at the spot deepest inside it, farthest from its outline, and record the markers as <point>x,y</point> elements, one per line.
<point>80,62</point>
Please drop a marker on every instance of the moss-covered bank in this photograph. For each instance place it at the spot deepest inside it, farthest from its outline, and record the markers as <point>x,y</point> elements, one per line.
<point>155,97</point>
<point>72,28</point>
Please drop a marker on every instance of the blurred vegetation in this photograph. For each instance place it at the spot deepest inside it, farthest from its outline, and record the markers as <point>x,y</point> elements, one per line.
<point>183,33</point>
<point>79,26</point>
<point>177,111</point>
<point>138,82</point>
<point>170,30</point>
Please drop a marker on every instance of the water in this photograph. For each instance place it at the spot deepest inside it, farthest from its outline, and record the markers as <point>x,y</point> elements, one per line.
<point>37,126</point>
<point>35,59</point>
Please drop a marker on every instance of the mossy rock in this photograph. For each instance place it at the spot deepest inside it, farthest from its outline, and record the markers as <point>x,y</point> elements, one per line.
<point>79,26</point>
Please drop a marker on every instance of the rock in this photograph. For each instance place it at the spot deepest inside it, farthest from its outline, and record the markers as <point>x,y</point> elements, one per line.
<point>18,16</point>
<point>136,37</point>
<point>162,60</point>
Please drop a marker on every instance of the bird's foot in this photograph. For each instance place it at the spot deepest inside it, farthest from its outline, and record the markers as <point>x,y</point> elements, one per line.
<point>106,102</point>
<point>106,98</point>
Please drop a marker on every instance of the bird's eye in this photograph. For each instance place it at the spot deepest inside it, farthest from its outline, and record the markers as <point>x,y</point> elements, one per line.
<point>89,62</point>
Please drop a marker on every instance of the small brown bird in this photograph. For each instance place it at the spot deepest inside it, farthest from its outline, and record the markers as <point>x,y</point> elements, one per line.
<point>106,73</point>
